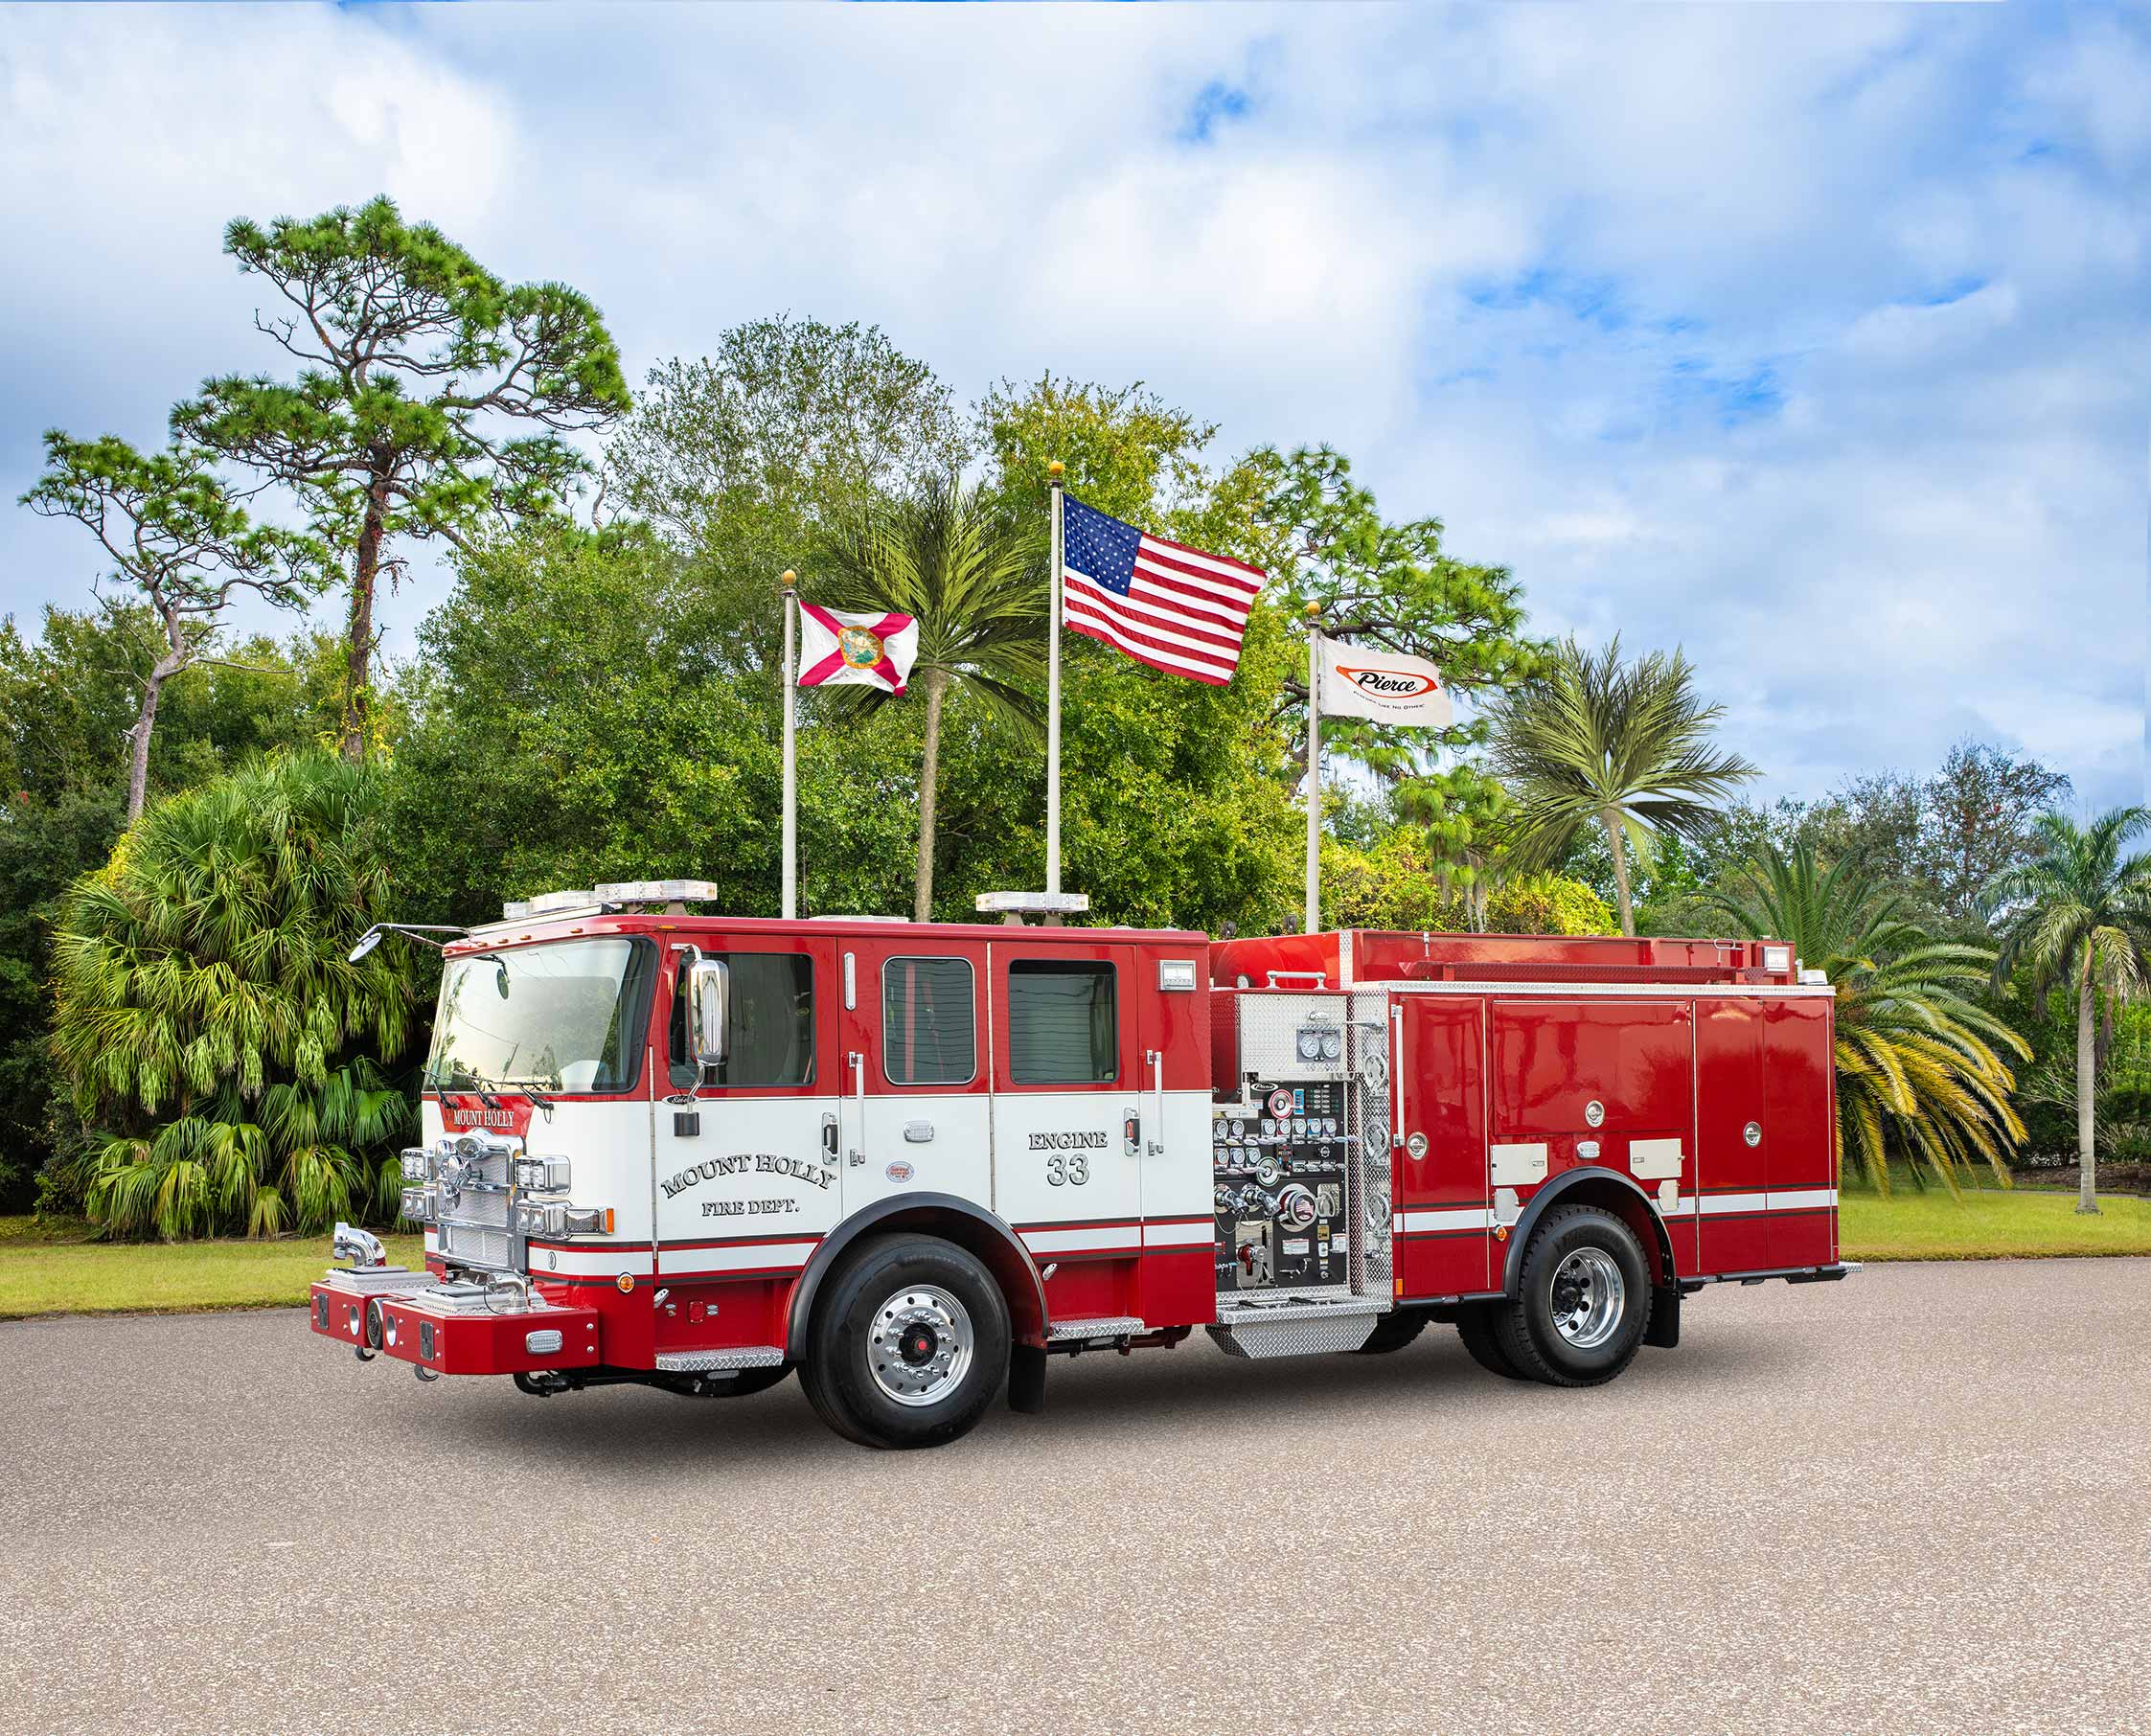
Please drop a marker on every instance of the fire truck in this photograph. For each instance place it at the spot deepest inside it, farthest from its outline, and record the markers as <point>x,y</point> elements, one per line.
<point>913,1162</point>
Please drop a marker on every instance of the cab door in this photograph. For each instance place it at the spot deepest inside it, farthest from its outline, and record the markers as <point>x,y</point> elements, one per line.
<point>748,1174</point>
<point>1069,1126</point>
<point>917,1111</point>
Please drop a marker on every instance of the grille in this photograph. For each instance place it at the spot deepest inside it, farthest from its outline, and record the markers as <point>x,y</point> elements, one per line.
<point>475,1230</point>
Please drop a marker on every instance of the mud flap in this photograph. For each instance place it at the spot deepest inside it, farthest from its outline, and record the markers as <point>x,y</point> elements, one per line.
<point>1662,1331</point>
<point>1026,1379</point>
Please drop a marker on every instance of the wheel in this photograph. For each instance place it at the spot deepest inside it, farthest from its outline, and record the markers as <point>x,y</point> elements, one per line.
<point>1393,1332</point>
<point>1584,1301</point>
<point>1475,1325</point>
<point>908,1345</point>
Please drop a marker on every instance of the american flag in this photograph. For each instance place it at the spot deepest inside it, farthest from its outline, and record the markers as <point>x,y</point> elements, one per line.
<point>1163,603</point>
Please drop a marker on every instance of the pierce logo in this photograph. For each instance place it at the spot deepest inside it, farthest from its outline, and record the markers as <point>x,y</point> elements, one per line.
<point>1391,684</point>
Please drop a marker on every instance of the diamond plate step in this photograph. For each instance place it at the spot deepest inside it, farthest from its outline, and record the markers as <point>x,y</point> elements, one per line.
<point>1291,1327</point>
<point>708,1361</point>
<point>1109,1326</point>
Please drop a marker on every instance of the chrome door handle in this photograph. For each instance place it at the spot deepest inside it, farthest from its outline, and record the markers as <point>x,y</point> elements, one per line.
<point>1396,1075</point>
<point>1156,1059</point>
<point>858,1063</point>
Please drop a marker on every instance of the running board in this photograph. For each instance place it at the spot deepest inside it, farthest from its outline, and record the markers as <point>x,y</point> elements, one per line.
<point>1293,1326</point>
<point>718,1362</point>
<point>1104,1329</point>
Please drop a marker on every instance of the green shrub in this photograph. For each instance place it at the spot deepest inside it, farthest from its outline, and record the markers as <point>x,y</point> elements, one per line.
<point>222,1053</point>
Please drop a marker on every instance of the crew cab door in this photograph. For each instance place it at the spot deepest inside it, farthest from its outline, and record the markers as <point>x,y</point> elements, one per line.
<point>1069,1099</point>
<point>748,1177</point>
<point>916,1115</point>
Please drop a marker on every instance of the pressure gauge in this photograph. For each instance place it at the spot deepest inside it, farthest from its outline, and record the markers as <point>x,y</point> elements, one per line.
<point>1333,1045</point>
<point>1310,1046</point>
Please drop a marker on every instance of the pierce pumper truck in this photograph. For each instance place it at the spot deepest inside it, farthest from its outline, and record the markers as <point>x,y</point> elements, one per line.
<point>912,1162</point>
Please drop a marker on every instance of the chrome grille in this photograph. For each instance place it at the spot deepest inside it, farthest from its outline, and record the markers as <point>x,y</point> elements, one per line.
<point>475,1230</point>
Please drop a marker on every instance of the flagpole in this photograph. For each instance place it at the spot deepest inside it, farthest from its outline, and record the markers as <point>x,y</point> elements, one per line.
<point>1053,696</point>
<point>791,898</point>
<point>1313,916</point>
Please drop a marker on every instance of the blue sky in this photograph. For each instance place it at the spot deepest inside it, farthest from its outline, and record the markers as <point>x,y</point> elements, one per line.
<point>1812,340</point>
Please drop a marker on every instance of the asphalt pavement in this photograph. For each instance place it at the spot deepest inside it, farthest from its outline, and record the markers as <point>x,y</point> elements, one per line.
<point>1917,1502</point>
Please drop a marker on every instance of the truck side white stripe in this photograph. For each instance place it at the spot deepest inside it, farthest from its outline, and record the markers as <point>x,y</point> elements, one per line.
<point>754,1257</point>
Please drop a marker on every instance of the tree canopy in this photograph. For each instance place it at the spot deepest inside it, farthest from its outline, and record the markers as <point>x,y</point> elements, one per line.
<point>417,368</point>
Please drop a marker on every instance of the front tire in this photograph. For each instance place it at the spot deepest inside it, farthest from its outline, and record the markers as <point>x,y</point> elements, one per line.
<point>1475,1325</point>
<point>908,1344</point>
<point>1584,1301</point>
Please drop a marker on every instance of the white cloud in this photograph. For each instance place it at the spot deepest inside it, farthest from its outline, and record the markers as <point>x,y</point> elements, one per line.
<point>1814,341</point>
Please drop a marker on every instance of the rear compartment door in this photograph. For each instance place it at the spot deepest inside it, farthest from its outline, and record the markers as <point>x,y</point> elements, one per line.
<point>1733,1135</point>
<point>1599,1082</point>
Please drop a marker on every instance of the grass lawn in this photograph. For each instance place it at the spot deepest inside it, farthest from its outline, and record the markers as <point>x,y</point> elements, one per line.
<point>44,1271</point>
<point>1987,1224</point>
<point>48,1268</point>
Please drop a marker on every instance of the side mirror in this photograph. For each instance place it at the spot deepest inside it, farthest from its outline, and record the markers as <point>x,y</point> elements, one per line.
<point>709,1011</point>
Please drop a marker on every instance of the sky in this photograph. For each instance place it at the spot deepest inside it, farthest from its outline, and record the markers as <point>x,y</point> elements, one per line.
<point>1815,342</point>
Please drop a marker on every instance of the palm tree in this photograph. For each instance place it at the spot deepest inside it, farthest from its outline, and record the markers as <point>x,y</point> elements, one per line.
<point>1917,1061</point>
<point>224,1054</point>
<point>1623,747</point>
<point>2079,914</point>
<point>980,601</point>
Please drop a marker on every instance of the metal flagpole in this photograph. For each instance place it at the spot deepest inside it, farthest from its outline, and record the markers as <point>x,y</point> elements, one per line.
<point>1053,698</point>
<point>1313,771</point>
<point>790,764</point>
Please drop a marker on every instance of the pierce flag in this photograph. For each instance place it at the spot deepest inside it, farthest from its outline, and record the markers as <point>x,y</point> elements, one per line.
<point>1386,687</point>
<point>841,647</point>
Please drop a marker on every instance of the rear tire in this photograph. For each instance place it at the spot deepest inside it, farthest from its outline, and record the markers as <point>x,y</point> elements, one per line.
<point>1392,1332</point>
<point>1475,1325</point>
<point>908,1345</point>
<point>1584,1301</point>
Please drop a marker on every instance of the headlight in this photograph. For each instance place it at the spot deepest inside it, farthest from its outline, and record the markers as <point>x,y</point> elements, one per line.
<point>1310,1046</point>
<point>417,1205</point>
<point>544,1217</point>
<point>541,1175</point>
<point>414,1161</point>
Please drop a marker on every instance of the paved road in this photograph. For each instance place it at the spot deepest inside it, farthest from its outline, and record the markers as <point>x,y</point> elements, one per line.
<point>1917,1502</point>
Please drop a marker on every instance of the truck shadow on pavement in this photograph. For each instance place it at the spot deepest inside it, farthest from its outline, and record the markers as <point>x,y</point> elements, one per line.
<point>1102,1397</point>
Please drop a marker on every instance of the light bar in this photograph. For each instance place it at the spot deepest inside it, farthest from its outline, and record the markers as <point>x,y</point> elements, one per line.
<point>1033,903</point>
<point>514,909</point>
<point>546,902</point>
<point>650,892</point>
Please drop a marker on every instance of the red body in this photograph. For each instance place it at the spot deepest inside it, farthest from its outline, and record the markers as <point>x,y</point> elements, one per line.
<point>1684,1085</point>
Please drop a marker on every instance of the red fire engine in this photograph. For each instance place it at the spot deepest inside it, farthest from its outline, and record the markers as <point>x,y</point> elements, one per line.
<point>909,1160</point>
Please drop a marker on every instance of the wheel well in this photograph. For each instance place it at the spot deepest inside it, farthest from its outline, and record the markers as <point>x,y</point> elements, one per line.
<point>1610,1191</point>
<point>993,1244</point>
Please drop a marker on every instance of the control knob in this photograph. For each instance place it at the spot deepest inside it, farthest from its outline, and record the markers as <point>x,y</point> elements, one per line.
<point>1296,1207</point>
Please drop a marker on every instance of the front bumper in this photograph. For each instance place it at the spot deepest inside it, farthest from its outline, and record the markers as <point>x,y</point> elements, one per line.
<point>448,1327</point>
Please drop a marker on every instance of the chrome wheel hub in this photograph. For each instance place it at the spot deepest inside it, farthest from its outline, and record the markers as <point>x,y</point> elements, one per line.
<point>920,1346</point>
<point>1588,1297</point>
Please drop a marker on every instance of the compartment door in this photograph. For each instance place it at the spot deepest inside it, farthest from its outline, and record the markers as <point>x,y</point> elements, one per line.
<point>1442,1231</point>
<point>1733,1136</point>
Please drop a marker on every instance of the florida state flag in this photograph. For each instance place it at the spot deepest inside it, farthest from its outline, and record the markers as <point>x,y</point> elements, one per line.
<point>837,647</point>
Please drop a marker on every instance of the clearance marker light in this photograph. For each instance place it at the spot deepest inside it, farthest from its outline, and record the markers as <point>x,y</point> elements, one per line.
<point>627,1283</point>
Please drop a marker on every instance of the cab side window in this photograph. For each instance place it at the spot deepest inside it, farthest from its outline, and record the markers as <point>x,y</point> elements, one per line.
<point>772,1020</point>
<point>1063,1022</point>
<point>928,1036</point>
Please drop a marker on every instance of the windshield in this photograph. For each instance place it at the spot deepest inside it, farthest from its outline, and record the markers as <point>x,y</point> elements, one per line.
<point>559,1018</point>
